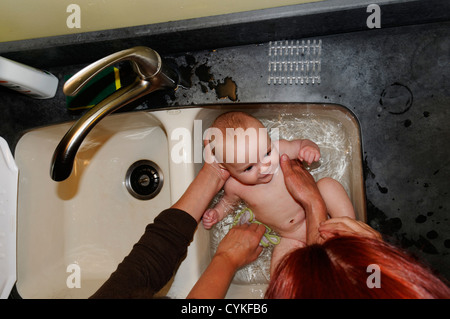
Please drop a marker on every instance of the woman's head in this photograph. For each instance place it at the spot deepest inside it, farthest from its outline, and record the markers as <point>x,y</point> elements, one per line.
<point>338,268</point>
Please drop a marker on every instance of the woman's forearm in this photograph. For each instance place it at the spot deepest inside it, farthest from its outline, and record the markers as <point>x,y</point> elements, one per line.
<point>214,282</point>
<point>238,248</point>
<point>201,191</point>
<point>316,213</point>
<point>303,188</point>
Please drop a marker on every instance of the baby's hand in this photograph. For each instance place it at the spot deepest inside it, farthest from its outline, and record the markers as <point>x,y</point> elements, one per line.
<point>210,217</point>
<point>309,154</point>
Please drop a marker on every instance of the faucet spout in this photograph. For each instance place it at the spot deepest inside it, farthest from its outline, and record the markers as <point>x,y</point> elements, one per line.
<point>151,76</point>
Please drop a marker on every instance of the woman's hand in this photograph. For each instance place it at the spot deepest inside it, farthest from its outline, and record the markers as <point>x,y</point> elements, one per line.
<point>346,226</point>
<point>299,182</point>
<point>241,244</point>
<point>237,249</point>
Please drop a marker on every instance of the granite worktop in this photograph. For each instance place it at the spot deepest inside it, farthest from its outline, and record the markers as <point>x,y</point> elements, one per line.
<point>395,79</point>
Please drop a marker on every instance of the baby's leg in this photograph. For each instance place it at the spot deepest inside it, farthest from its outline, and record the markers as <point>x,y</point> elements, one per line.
<point>336,198</point>
<point>285,246</point>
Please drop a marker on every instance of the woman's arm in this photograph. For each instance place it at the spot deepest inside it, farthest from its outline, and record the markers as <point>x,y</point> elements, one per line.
<point>202,190</point>
<point>302,186</point>
<point>238,248</point>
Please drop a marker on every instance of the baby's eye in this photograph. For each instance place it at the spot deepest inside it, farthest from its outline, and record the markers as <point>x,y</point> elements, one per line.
<point>268,153</point>
<point>248,168</point>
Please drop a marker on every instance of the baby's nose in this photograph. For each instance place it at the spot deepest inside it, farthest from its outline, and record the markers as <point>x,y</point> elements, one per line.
<point>266,168</point>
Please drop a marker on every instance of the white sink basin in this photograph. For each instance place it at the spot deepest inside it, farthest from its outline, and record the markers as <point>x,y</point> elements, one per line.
<point>91,221</point>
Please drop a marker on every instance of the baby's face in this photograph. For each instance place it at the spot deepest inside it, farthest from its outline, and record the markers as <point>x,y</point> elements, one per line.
<point>255,160</point>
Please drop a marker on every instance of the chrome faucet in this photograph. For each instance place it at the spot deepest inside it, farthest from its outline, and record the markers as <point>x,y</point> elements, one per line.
<point>152,75</point>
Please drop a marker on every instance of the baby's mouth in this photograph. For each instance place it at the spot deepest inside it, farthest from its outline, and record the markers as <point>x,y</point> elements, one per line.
<point>266,178</point>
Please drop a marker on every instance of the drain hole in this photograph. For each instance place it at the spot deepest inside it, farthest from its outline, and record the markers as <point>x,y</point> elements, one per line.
<point>144,180</point>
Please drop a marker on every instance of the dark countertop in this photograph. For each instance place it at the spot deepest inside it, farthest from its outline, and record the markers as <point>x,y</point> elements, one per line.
<point>394,79</point>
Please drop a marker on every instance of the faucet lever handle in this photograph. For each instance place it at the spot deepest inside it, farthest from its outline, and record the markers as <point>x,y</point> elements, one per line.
<point>152,75</point>
<point>146,63</point>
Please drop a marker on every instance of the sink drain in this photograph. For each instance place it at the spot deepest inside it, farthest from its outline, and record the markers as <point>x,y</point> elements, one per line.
<point>144,180</point>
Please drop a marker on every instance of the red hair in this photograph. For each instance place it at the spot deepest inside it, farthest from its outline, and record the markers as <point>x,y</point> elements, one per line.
<point>338,269</point>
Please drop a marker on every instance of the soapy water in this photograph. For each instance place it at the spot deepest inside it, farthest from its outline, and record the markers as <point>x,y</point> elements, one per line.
<point>335,149</point>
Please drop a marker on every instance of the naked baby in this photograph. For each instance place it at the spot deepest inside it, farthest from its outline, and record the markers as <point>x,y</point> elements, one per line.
<point>252,159</point>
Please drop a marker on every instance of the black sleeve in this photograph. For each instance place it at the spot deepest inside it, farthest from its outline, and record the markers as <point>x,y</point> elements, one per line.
<point>153,259</point>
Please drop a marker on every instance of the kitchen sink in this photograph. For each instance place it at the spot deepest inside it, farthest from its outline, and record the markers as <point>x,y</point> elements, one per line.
<point>71,235</point>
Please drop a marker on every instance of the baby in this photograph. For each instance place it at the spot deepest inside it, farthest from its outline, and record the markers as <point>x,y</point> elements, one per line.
<point>240,144</point>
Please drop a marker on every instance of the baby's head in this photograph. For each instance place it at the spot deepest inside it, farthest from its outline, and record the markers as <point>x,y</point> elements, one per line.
<point>241,144</point>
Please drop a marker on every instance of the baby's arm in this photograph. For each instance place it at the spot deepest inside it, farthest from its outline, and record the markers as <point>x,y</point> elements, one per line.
<point>222,208</point>
<point>304,150</point>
